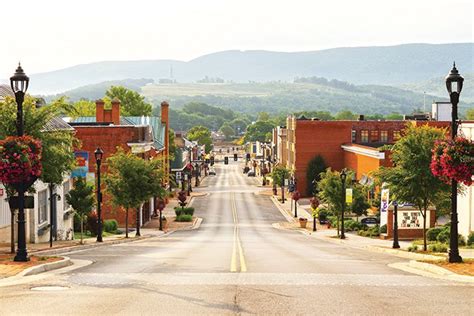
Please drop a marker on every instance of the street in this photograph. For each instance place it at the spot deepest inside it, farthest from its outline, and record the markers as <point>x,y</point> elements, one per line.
<point>235,263</point>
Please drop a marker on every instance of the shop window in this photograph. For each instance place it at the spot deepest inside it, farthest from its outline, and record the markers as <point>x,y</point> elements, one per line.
<point>364,136</point>
<point>383,136</point>
<point>396,135</point>
<point>374,136</point>
<point>354,136</point>
<point>66,189</point>
<point>42,207</point>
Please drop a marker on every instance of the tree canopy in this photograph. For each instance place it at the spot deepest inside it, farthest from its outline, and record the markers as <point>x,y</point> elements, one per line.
<point>132,103</point>
<point>202,135</point>
<point>411,180</point>
<point>259,131</point>
<point>316,166</point>
<point>227,130</point>
<point>81,199</point>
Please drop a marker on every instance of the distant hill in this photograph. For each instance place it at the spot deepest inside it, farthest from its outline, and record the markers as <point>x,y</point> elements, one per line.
<point>97,91</point>
<point>390,65</point>
<point>437,87</point>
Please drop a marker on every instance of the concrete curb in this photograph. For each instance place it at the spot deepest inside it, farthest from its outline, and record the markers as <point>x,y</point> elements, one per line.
<point>432,271</point>
<point>50,252</point>
<point>404,254</point>
<point>282,211</point>
<point>66,261</point>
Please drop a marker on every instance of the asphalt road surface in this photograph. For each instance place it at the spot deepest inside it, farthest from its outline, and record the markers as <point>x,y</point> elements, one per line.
<point>235,263</point>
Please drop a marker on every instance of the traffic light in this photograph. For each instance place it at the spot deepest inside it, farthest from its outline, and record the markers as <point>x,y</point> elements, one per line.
<point>235,157</point>
<point>247,156</point>
<point>226,160</point>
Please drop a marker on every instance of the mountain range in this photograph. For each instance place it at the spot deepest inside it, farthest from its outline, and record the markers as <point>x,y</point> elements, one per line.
<point>387,65</point>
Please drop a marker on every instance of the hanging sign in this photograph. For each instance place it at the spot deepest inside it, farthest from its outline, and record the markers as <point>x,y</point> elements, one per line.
<point>348,196</point>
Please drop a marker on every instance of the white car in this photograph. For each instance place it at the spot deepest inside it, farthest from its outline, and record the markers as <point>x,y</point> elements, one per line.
<point>212,172</point>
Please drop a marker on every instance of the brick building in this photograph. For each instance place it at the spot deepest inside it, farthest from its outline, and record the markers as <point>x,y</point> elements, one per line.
<point>356,145</point>
<point>144,136</point>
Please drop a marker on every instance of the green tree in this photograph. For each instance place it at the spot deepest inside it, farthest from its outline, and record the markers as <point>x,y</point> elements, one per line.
<point>470,114</point>
<point>131,181</point>
<point>239,124</point>
<point>359,203</point>
<point>394,116</point>
<point>258,131</point>
<point>279,174</point>
<point>330,191</point>
<point>81,199</point>
<point>202,135</point>
<point>227,130</point>
<point>263,116</point>
<point>57,144</point>
<point>132,103</point>
<point>345,115</point>
<point>82,108</point>
<point>313,173</point>
<point>411,180</point>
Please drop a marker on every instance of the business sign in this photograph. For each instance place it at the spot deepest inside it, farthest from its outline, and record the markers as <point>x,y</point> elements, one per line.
<point>82,164</point>
<point>412,220</point>
<point>384,203</point>
<point>348,196</point>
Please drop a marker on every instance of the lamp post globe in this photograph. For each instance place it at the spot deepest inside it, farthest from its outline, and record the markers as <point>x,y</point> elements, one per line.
<point>98,158</point>
<point>19,83</point>
<point>454,83</point>
<point>343,177</point>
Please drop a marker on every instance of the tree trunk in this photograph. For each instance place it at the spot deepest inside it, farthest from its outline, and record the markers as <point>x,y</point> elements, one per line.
<point>337,226</point>
<point>126,223</point>
<point>425,248</point>
<point>82,229</point>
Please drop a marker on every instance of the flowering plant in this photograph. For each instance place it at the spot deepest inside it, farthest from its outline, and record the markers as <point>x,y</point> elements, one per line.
<point>20,160</point>
<point>453,160</point>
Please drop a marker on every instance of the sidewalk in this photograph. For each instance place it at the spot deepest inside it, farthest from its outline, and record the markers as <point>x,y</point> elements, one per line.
<point>352,239</point>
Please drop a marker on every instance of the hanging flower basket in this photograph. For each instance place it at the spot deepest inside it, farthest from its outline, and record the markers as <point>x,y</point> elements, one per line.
<point>453,160</point>
<point>20,161</point>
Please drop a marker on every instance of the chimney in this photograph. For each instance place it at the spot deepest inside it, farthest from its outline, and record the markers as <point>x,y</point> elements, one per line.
<point>361,117</point>
<point>116,111</point>
<point>165,121</point>
<point>99,111</point>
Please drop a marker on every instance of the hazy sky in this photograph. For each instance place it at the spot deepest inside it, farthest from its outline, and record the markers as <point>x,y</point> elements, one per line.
<point>47,35</point>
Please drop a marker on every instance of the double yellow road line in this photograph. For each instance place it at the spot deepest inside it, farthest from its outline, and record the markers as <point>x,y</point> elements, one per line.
<point>237,245</point>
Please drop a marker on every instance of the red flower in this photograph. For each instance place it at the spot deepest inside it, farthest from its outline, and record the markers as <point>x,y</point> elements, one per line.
<point>20,159</point>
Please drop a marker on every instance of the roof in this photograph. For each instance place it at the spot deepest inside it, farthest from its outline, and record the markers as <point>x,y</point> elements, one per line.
<point>158,128</point>
<point>5,91</point>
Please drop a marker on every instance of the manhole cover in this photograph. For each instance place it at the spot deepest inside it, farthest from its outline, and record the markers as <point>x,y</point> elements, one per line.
<point>49,288</point>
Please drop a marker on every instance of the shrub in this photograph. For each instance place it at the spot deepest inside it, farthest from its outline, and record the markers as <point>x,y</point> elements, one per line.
<point>438,247</point>
<point>470,239</point>
<point>92,223</point>
<point>383,229</point>
<point>352,225</point>
<point>184,211</point>
<point>461,240</point>
<point>443,236</point>
<point>432,233</point>
<point>413,248</point>
<point>110,225</point>
<point>184,218</point>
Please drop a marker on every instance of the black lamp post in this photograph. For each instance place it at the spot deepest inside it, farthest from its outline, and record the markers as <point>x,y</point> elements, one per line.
<point>19,84</point>
<point>395,245</point>
<point>343,176</point>
<point>454,82</point>
<point>98,158</point>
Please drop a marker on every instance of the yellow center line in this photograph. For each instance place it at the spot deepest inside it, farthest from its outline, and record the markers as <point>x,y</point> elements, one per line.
<point>237,245</point>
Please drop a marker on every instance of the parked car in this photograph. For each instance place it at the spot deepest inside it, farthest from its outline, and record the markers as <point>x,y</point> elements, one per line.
<point>246,169</point>
<point>212,172</point>
<point>251,174</point>
<point>369,221</point>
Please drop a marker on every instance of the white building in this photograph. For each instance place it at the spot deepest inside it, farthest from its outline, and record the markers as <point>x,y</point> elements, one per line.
<point>466,200</point>
<point>38,219</point>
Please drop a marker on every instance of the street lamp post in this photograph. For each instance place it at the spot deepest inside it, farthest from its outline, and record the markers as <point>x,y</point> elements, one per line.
<point>454,82</point>
<point>395,245</point>
<point>19,84</point>
<point>343,180</point>
<point>98,158</point>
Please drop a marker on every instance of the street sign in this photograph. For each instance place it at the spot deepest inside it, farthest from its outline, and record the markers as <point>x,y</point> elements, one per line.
<point>286,182</point>
<point>349,196</point>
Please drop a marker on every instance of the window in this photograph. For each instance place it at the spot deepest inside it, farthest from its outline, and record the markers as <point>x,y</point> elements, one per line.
<point>42,207</point>
<point>66,189</point>
<point>396,135</point>
<point>364,136</point>
<point>354,136</point>
<point>383,136</point>
<point>374,136</point>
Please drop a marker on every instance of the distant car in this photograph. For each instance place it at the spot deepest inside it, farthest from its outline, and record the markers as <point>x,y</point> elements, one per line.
<point>251,174</point>
<point>246,169</point>
<point>212,172</point>
<point>369,221</point>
